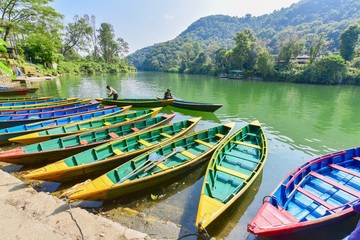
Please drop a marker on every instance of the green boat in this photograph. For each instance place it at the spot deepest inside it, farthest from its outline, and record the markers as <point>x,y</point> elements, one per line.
<point>154,167</point>
<point>136,102</point>
<point>59,148</point>
<point>107,156</point>
<point>232,169</point>
<point>83,126</point>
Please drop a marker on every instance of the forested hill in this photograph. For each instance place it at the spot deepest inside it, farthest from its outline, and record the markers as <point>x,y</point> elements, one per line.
<point>307,19</point>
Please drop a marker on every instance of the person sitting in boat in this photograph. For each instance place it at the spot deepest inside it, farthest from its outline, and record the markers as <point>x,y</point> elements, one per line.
<point>112,92</point>
<point>167,94</point>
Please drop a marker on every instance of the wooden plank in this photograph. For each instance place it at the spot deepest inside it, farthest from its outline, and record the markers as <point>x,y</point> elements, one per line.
<point>336,184</point>
<point>113,135</point>
<point>144,142</point>
<point>118,151</point>
<point>219,135</point>
<point>315,198</point>
<point>166,135</point>
<point>188,154</point>
<point>162,166</point>
<point>107,124</point>
<point>232,172</point>
<point>356,174</point>
<point>248,144</point>
<point>204,143</point>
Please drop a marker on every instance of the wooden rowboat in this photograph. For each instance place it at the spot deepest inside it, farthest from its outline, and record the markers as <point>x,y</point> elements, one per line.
<point>55,110</point>
<point>321,192</point>
<point>41,105</point>
<point>140,102</point>
<point>42,108</point>
<point>15,120</point>
<point>82,126</point>
<point>233,167</point>
<point>197,106</point>
<point>154,167</point>
<point>10,92</point>
<point>37,102</point>
<point>59,148</point>
<point>7,133</point>
<point>107,156</point>
<point>22,99</point>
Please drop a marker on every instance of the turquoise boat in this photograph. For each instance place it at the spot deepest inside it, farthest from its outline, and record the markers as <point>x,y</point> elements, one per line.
<point>43,106</point>
<point>7,133</point>
<point>107,156</point>
<point>22,99</point>
<point>155,167</point>
<point>233,167</point>
<point>59,148</point>
<point>83,126</point>
<point>36,104</point>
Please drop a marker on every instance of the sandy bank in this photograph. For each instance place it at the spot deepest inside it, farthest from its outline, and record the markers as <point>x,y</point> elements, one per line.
<point>28,214</point>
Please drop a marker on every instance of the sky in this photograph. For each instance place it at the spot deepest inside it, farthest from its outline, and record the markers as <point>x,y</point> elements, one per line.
<point>143,23</point>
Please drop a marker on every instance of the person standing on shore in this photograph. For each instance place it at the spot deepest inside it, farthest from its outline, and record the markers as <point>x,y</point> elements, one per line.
<point>112,92</point>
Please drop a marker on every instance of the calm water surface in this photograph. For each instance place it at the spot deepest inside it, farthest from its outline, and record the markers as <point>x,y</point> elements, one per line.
<point>300,121</point>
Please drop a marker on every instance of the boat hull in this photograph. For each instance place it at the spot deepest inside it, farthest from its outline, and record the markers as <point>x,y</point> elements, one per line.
<point>137,102</point>
<point>197,106</point>
<point>318,193</point>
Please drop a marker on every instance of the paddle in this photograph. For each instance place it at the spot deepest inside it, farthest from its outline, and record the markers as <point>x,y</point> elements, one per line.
<point>152,157</point>
<point>177,149</point>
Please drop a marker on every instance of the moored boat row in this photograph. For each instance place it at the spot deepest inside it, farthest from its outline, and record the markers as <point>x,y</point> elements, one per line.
<point>124,151</point>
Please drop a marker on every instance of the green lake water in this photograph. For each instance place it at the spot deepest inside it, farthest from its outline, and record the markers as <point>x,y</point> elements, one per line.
<point>300,121</point>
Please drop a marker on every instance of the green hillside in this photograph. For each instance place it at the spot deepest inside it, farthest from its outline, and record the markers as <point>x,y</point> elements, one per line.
<point>306,19</point>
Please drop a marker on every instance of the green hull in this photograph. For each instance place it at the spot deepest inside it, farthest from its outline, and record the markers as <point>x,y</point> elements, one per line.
<point>233,167</point>
<point>107,156</point>
<point>155,167</point>
<point>59,148</point>
<point>136,102</point>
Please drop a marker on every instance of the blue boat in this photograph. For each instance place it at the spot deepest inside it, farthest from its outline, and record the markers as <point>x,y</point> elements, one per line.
<point>15,120</point>
<point>11,132</point>
<point>37,102</point>
<point>19,112</point>
<point>318,193</point>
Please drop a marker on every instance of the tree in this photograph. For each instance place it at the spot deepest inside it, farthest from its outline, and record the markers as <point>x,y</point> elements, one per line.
<point>243,52</point>
<point>123,47</point>
<point>330,69</point>
<point>3,57</point>
<point>41,49</point>
<point>317,45</point>
<point>348,40</point>
<point>28,16</point>
<point>109,48</point>
<point>290,47</point>
<point>265,64</point>
<point>77,35</point>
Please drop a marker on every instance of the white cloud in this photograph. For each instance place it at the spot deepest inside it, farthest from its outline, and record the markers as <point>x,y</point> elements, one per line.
<point>168,16</point>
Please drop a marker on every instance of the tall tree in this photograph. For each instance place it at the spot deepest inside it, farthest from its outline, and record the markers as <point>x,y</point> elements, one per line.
<point>348,40</point>
<point>317,45</point>
<point>109,48</point>
<point>290,47</point>
<point>77,35</point>
<point>28,15</point>
<point>242,53</point>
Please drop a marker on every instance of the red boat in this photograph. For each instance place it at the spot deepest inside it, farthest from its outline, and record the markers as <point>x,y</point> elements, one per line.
<point>317,194</point>
<point>7,92</point>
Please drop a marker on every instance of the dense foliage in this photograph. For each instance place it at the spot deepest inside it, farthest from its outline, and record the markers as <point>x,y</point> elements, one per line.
<point>36,34</point>
<point>265,46</point>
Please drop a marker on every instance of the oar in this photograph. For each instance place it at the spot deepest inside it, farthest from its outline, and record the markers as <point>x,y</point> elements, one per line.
<point>152,157</point>
<point>178,149</point>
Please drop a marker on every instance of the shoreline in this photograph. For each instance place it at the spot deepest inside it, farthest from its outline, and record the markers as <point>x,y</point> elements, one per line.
<point>28,214</point>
